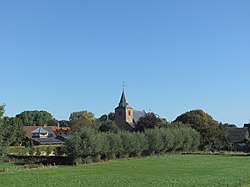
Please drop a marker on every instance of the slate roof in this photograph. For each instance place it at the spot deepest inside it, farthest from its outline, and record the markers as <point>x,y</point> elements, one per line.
<point>123,103</point>
<point>238,135</point>
<point>47,141</point>
<point>138,114</point>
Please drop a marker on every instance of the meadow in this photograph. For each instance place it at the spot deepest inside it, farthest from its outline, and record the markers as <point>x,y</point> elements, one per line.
<point>168,170</point>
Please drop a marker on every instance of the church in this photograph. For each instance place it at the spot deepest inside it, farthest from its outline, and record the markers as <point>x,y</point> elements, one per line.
<point>125,116</point>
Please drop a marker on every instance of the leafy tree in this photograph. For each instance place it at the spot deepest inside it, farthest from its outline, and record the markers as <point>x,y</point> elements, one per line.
<point>148,121</point>
<point>15,133</point>
<point>82,118</point>
<point>140,143</point>
<point>108,126</point>
<point>103,118</point>
<point>115,145</point>
<point>155,141</point>
<point>82,144</point>
<point>111,116</point>
<point>53,122</point>
<point>11,131</point>
<point>213,135</point>
<point>2,143</point>
<point>64,123</point>
<point>34,118</point>
<point>128,140</point>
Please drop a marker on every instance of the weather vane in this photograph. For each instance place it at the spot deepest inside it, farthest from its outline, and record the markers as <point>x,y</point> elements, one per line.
<point>123,85</point>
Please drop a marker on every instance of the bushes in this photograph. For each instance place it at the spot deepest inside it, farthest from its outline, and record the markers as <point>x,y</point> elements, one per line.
<point>89,145</point>
<point>33,150</point>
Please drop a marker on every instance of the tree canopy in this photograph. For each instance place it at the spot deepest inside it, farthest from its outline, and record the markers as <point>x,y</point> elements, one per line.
<point>213,134</point>
<point>35,118</point>
<point>149,121</point>
<point>82,118</point>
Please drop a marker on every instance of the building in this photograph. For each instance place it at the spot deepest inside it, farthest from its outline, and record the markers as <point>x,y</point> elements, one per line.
<point>125,116</point>
<point>51,135</point>
<point>239,137</point>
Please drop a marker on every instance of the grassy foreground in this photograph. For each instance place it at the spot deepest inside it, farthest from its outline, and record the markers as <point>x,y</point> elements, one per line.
<point>169,170</point>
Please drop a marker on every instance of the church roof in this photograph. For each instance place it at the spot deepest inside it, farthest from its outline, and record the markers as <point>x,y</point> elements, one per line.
<point>123,103</point>
<point>138,114</point>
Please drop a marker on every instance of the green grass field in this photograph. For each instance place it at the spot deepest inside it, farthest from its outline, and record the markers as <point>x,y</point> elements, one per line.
<point>169,170</point>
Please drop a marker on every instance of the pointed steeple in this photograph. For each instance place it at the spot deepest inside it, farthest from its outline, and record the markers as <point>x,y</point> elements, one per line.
<point>123,102</point>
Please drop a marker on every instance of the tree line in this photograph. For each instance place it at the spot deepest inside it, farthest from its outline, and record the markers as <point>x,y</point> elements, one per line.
<point>89,145</point>
<point>213,135</point>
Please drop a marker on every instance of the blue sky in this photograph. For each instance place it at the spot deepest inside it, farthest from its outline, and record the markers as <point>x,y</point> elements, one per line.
<point>175,56</point>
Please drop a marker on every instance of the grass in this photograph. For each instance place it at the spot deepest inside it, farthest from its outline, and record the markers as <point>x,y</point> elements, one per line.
<point>170,170</point>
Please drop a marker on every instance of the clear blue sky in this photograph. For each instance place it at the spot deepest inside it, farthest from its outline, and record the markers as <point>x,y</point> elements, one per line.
<point>175,56</point>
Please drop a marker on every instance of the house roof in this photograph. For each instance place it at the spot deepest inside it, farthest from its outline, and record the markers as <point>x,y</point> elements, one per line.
<point>40,130</point>
<point>47,141</point>
<point>30,129</point>
<point>238,135</point>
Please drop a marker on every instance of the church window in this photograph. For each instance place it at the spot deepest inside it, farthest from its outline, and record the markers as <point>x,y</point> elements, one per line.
<point>120,113</point>
<point>129,112</point>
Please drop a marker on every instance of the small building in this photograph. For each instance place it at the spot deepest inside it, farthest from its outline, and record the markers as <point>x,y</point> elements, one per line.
<point>239,137</point>
<point>40,135</point>
<point>125,116</point>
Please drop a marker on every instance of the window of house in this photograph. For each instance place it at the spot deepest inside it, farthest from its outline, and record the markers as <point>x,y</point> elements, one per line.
<point>129,112</point>
<point>120,113</point>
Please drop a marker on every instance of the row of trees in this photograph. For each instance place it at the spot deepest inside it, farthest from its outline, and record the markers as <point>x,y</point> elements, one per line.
<point>213,135</point>
<point>88,143</point>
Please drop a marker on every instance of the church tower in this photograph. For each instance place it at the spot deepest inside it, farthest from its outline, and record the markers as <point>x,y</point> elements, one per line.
<point>124,114</point>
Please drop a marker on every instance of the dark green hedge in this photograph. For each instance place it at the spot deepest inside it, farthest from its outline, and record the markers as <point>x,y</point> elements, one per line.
<point>88,145</point>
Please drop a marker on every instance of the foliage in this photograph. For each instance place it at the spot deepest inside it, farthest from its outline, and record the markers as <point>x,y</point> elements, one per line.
<point>103,118</point>
<point>87,142</point>
<point>11,131</point>
<point>214,136</point>
<point>64,123</point>
<point>111,116</point>
<point>149,120</point>
<point>21,150</point>
<point>34,118</point>
<point>108,126</point>
<point>53,122</point>
<point>82,118</point>
<point>15,132</point>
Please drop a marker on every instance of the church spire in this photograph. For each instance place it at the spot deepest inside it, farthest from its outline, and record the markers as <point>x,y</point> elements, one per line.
<point>123,102</point>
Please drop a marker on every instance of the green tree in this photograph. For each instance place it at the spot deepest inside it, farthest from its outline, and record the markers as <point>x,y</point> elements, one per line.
<point>115,145</point>
<point>53,122</point>
<point>155,141</point>
<point>11,132</point>
<point>82,118</point>
<point>213,135</point>
<point>108,126</point>
<point>148,121</point>
<point>14,130</point>
<point>82,144</point>
<point>103,118</point>
<point>64,123</point>
<point>34,118</point>
<point>2,143</point>
<point>111,116</point>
